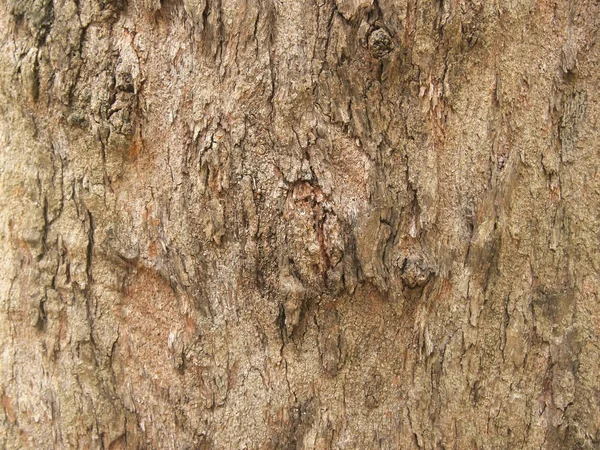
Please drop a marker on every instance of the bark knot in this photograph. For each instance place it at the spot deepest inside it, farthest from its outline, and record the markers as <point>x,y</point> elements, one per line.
<point>380,43</point>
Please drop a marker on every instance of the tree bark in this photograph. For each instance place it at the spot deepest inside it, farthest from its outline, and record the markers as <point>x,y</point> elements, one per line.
<point>262,224</point>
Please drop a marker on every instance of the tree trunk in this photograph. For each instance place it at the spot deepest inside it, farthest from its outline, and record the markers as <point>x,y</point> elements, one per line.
<point>263,224</point>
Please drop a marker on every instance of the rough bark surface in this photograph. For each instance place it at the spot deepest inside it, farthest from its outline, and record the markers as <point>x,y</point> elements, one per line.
<point>299,224</point>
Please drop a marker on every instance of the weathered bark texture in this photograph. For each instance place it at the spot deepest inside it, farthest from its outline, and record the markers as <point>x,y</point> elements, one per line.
<point>299,224</point>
